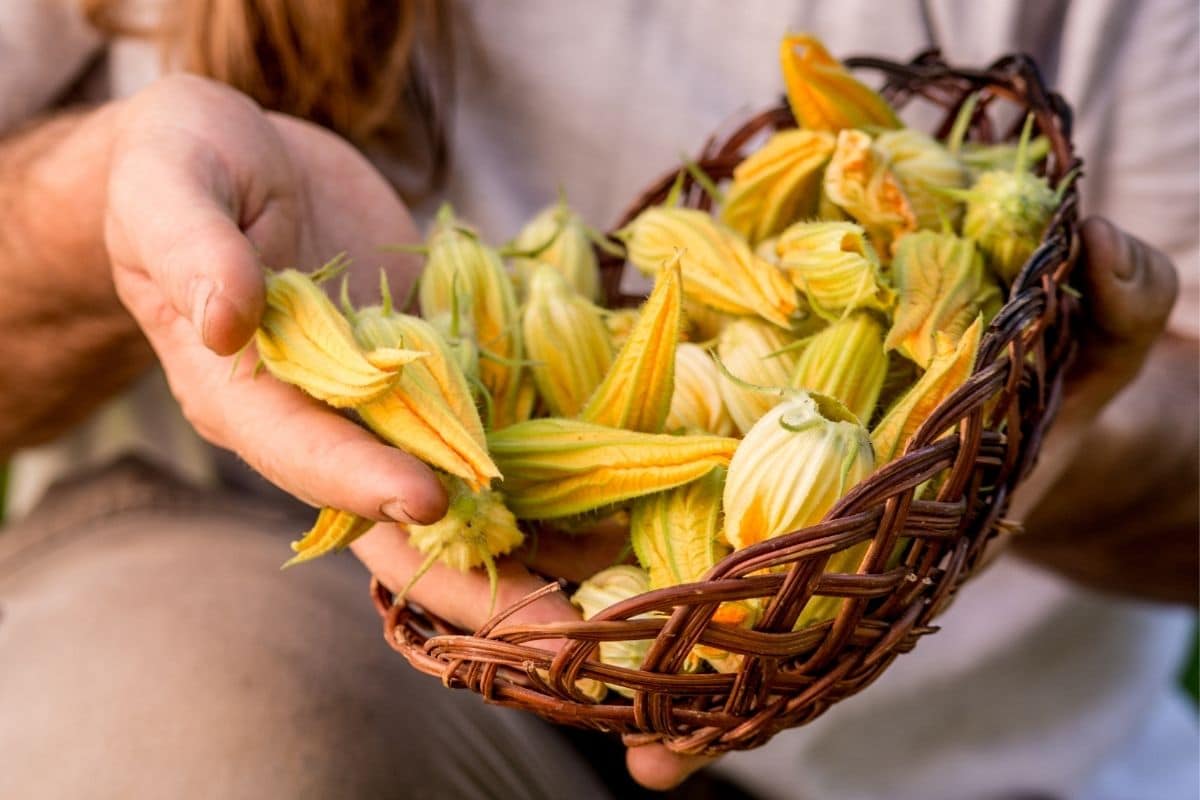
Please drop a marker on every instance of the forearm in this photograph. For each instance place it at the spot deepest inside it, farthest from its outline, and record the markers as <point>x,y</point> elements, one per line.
<point>68,343</point>
<point>1123,515</point>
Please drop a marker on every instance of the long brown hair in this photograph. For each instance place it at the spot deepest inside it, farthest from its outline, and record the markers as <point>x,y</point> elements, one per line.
<point>378,72</point>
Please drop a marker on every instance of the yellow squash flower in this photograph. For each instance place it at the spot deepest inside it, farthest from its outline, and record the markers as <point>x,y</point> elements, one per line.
<point>559,467</point>
<point>943,286</point>
<point>777,184</point>
<point>860,180</point>
<point>846,361</point>
<point>835,267</point>
<point>719,268</point>
<point>566,341</point>
<point>824,96</point>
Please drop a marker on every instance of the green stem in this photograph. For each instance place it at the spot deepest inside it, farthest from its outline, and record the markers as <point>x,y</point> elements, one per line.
<point>489,564</point>
<point>703,180</point>
<point>419,249</point>
<point>962,124</point>
<point>420,573</point>
<point>676,191</point>
<point>1023,145</point>
<point>385,292</point>
<point>778,391</point>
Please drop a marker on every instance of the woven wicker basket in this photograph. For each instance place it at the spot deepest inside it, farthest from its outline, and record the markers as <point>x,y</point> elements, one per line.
<point>997,419</point>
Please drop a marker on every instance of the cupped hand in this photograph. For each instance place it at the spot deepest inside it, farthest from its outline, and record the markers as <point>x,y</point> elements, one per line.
<point>463,600</point>
<point>1112,502</point>
<point>205,190</point>
<point>1127,289</point>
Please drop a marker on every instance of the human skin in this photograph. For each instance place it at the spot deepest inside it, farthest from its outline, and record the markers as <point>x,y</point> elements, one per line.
<point>138,232</point>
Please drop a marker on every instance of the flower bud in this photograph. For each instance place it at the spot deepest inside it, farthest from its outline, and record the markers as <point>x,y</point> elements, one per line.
<point>696,403</point>
<point>792,467</point>
<point>860,181</point>
<point>430,412</point>
<point>476,526</point>
<point>847,362</point>
<point>558,236</point>
<point>719,268</point>
<point>943,286</point>
<point>305,341</point>
<point>566,340</point>
<point>835,267</point>
<point>559,467</point>
<point>790,471</point>
<point>777,184</point>
<point>924,167</point>
<point>824,96</point>
<point>461,272</point>
<point>756,353</point>
<point>1007,213</point>
<point>607,588</point>
<point>949,368</point>
<point>476,529</point>
<point>636,392</point>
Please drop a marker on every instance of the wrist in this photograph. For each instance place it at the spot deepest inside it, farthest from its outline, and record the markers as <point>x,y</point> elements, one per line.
<point>66,333</point>
<point>60,177</point>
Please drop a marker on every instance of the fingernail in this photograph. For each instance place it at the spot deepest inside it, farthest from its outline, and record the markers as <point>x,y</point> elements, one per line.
<point>220,315</point>
<point>1122,251</point>
<point>394,510</point>
<point>200,293</point>
<point>1128,264</point>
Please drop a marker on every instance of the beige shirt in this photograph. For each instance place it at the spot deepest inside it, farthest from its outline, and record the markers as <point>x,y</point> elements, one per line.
<point>1033,687</point>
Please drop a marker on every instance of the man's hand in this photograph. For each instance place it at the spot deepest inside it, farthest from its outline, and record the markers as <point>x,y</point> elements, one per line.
<point>1113,501</point>
<point>462,599</point>
<point>204,191</point>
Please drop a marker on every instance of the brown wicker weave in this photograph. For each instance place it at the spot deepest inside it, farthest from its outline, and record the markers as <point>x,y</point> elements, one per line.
<point>997,419</point>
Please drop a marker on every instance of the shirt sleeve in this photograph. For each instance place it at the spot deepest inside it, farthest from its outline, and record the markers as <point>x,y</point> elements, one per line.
<point>44,47</point>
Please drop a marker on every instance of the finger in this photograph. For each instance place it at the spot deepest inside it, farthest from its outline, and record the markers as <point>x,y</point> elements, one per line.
<point>1128,289</point>
<point>184,237</point>
<point>200,184</point>
<point>1128,286</point>
<point>658,769</point>
<point>296,442</point>
<point>461,598</point>
<point>577,555</point>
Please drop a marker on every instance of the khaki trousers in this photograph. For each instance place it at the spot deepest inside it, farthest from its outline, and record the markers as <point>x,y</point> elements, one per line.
<point>151,648</point>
